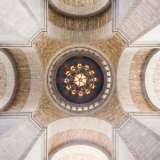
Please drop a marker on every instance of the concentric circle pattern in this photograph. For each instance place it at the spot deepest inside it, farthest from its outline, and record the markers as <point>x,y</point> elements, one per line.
<point>79,79</point>
<point>84,11</point>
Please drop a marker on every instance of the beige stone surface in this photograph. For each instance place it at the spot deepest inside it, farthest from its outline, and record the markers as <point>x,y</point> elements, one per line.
<point>84,11</point>
<point>48,112</point>
<point>80,156</point>
<point>112,112</point>
<point>47,48</point>
<point>79,23</point>
<point>3,80</point>
<point>124,152</point>
<point>124,135</point>
<point>133,137</point>
<point>135,79</point>
<point>135,18</point>
<point>79,3</point>
<point>76,149</point>
<point>20,21</point>
<point>123,71</point>
<point>156,79</point>
<point>112,47</point>
<point>36,73</point>
<point>149,76</point>
<point>136,140</point>
<point>71,36</point>
<point>15,142</point>
<point>37,152</point>
<point>23,79</point>
<point>71,29</point>
<point>79,130</point>
<point>10,80</point>
<point>79,135</point>
<point>87,123</point>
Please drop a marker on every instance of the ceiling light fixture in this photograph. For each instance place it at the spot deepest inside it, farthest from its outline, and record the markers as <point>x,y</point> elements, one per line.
<point>80,80</point>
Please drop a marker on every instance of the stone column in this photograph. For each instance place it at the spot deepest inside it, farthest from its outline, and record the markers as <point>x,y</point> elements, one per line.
<point>138,138</point>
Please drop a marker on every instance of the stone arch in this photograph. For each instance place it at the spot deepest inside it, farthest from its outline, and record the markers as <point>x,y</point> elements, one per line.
<point>89,149</point>
<point>36,71</point>
<point>148,81</point>
<point>11,80</point>
<point>80,11</point>
<point>80,125</point>
<point>124,94</point>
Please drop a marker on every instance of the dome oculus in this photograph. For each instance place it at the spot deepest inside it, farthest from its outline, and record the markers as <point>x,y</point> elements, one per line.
<point>79,79</point>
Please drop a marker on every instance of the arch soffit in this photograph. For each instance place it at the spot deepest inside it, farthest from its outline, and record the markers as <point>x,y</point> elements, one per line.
<point>36,71</point>
<point>147,79</point>
<point>87,123</point>
<point>80,11</point>
<point>123,71</point>
<point>87,148</point>
<point>79,123</point>
<point>11,80</point>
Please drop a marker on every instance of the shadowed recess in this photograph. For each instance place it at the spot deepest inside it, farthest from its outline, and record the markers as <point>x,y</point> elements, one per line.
<point>23,79</point>
<point>93,92</point>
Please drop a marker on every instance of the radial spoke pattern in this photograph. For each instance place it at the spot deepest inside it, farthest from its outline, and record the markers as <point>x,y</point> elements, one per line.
<point>80,80</point>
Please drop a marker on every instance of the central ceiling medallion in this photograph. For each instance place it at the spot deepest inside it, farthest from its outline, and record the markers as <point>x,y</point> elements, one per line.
<point>79,80</point>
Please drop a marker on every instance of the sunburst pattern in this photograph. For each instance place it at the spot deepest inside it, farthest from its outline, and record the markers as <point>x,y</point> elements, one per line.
<point>79,79</point>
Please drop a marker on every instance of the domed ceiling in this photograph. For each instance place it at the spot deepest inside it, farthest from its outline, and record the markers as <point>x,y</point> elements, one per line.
<point>77,76</point>
<point>79,79</point>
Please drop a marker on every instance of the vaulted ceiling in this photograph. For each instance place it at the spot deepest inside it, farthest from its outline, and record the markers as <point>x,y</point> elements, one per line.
<point>33,34</point>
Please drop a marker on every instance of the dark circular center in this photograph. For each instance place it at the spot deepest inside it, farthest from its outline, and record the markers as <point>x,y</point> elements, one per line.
<point>79,79</point>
